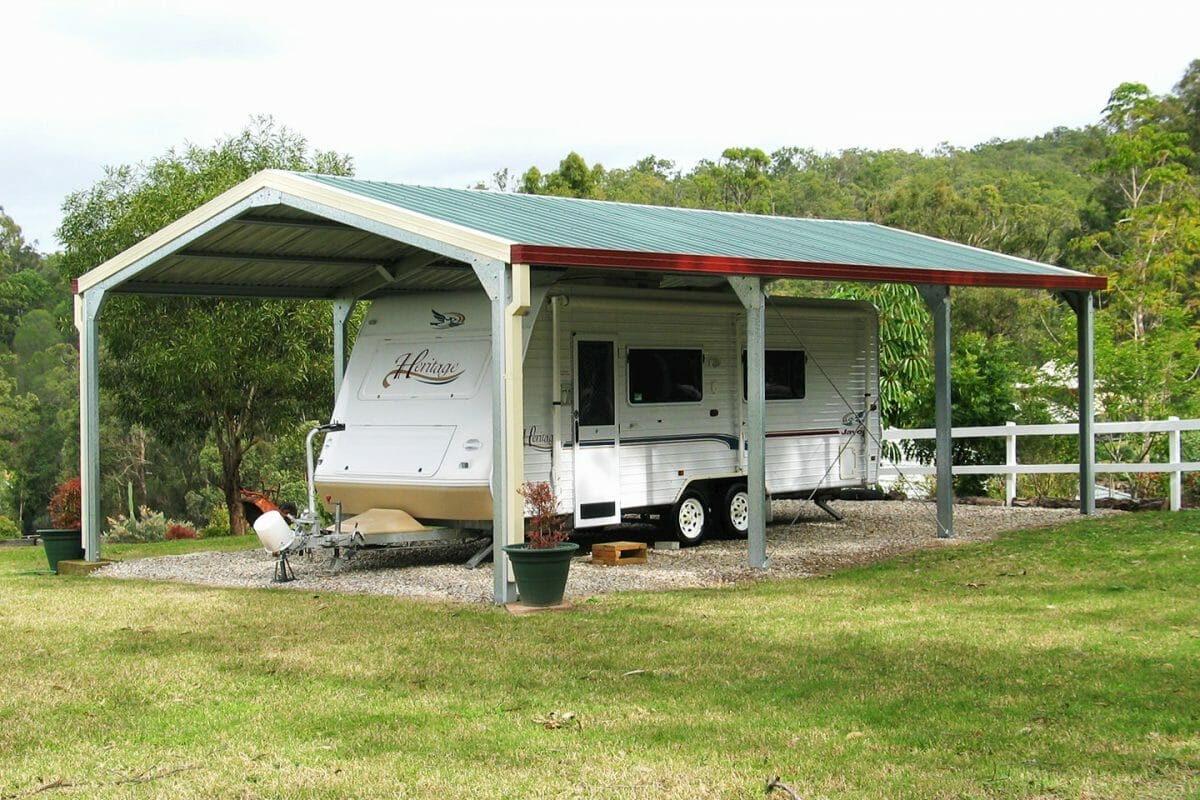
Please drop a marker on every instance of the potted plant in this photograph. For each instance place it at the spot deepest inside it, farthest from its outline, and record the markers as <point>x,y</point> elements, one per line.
<point>542,562</point>
<point>64,542</point>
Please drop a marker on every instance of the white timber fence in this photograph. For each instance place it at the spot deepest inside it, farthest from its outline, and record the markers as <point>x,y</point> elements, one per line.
<point>1011,468</point>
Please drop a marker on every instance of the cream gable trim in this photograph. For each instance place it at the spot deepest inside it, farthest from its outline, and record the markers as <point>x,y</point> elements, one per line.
<point>451,233</point>
<point>288,183</point>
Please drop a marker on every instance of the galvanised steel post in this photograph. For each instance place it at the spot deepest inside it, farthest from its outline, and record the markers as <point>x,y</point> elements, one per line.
<point>937,299</point>
<point>87,320</point>
<point>750,291</point>
<point>1081,303</point>
<point>494,277</point>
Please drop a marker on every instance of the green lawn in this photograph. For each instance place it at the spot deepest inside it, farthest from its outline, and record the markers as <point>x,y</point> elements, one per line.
<point>1058,663</point>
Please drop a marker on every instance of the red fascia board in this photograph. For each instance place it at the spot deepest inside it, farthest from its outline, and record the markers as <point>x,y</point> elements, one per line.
<point>543,255</point>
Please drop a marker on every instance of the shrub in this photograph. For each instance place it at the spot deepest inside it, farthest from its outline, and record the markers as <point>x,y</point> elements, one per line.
<point>66,505</point>
<point>152,527</point>
<point>9,529</point>
<point>180,531</point>
<point>203,503</point>
<point>219,524</point>
<point>545,528</point>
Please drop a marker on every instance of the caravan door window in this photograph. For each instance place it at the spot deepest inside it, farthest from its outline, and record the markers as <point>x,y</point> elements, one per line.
<point>596,384</point>
<point>784,374</point>
<point>661,375</point>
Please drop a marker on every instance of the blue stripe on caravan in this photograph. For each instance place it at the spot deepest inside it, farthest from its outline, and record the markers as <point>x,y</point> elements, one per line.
<point>730,441</point>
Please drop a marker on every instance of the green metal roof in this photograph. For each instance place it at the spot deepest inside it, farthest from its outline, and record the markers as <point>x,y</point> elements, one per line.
<point>573,232</point>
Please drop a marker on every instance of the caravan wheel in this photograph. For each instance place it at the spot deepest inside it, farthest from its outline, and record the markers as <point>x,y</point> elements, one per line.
<point>735,512</point>
<point>690,517</point>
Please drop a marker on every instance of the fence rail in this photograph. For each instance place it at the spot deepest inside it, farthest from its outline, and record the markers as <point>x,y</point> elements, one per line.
<point>1172,426</point>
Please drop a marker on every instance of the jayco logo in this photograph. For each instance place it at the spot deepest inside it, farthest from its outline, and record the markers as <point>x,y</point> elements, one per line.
<point>424,368</point>
<point>450,319</point>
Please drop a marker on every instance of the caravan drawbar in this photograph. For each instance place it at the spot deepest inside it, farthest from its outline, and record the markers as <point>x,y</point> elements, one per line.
<point>634,403</point>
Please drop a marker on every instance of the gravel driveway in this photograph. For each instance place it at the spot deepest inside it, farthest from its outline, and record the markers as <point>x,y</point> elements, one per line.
<point>802,541</point>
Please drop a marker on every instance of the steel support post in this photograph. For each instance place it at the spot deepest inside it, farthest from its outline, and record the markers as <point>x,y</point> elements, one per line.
<point>937,299</point>
<point>750,292</point>
<point>87,320</point>
<point>493,275</point>
<point>342,309</point>
<point>1081,304</point>
<point>514,402</point>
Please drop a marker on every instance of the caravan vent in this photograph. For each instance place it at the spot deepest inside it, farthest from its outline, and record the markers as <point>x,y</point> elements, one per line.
<point>597,510</point>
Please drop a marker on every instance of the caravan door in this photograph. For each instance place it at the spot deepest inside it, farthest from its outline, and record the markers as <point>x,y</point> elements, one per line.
<point>597,446</point>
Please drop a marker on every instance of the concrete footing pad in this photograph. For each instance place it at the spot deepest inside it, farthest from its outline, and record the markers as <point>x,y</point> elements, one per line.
<point>81,567</point>
<point>520,609</point>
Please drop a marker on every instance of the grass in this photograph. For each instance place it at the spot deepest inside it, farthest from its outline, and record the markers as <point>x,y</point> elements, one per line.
<point>1058,663</point>
<point>33,559</point>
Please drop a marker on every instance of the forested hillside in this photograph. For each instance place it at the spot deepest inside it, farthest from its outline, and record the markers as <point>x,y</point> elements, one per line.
<point>1119,198</point>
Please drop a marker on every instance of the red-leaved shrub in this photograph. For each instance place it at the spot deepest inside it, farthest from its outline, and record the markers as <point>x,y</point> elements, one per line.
<point>178,531</point>
<point>545,528</point>
<point>66,506</point>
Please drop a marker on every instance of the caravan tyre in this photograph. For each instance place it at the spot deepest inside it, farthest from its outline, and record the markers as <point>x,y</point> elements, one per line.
<point>735,511</point>
<point>690,517</point>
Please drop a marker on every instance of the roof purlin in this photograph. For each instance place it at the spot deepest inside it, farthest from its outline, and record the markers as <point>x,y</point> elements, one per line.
<point>544,255</point>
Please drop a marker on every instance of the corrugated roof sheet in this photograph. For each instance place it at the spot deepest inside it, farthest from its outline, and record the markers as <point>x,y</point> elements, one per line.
<point>591,232</point>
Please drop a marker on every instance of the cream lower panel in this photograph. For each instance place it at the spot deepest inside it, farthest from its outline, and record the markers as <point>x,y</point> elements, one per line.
<point>422,502</point>
<point>652,474</point>
<point>802,463</point>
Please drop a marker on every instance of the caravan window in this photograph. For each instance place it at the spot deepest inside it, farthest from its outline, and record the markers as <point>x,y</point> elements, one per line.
<point>661,375</point>
<point>784,374</point>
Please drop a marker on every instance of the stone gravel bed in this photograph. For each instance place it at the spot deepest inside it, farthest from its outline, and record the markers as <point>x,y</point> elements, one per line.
<point>802,541</point>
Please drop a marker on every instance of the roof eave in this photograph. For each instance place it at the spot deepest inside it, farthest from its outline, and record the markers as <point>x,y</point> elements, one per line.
<point>543,255</point>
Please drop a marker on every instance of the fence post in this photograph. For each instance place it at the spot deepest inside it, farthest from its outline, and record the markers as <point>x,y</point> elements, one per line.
<point>1176,456</point>
<point>1010,460</point>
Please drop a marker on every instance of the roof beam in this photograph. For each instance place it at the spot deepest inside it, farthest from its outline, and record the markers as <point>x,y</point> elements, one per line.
<point>276,222</point>
<point>264,258</point>
<point>228,290</point>
<point>385,276</point>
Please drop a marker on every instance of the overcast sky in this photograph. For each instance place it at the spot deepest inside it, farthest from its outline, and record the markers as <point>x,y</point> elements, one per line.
<point>446,93</point>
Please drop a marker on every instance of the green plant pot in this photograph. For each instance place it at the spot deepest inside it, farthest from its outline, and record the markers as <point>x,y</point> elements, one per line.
<point>62,545</point>
<point>541,574</point>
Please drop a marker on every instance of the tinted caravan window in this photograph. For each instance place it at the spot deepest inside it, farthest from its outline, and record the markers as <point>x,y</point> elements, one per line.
<point>660,375</point>
<point>784,374</point>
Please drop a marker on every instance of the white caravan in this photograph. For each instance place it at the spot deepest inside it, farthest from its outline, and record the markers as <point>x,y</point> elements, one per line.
<point>634,404</point>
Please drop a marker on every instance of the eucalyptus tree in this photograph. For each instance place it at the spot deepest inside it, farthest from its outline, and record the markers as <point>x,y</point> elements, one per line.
<point>234,371</point>
<point>1148,325</point>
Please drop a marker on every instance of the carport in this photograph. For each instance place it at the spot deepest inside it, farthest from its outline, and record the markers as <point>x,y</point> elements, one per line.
<point>282,235</point>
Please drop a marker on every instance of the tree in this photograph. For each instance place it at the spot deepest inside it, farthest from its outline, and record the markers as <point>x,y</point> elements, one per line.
<point>37,398</point>
<point>573,178</point>
<point>235,371</point>
<point>1187,119</point>
<point>983,391</point>
<point>24,282</point>
<point>38,413</point>
<point>650,181</point>
<point>1147,334</point>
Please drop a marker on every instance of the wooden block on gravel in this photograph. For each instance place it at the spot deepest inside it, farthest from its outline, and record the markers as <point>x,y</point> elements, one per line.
<point>614,554</point>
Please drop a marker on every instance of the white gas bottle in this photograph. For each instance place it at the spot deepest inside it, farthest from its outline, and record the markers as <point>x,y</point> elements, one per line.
<point>273,532</point>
